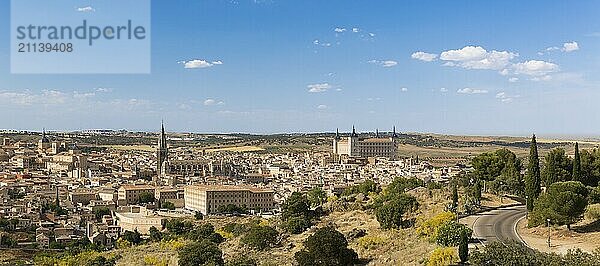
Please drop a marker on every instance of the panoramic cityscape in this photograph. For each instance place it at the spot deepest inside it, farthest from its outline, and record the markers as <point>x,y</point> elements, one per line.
<point>326,133</point>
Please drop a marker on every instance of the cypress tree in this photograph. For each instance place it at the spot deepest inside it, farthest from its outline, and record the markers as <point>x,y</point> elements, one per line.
<point>576,164</point>
<point>463,247</point>
<point>532,178</point>
<point>455,198</point>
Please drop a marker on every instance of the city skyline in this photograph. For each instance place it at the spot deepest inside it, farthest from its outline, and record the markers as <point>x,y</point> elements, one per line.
<point>279,67</point>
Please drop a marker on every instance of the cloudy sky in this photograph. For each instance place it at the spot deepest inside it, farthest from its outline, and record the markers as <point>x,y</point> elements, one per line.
<point>266,66</point>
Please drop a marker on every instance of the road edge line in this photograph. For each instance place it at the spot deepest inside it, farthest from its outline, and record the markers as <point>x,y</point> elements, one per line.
<point>517,232</point>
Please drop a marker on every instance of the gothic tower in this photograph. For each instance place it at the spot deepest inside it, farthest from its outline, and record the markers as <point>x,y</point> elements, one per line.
<point>162,151</point>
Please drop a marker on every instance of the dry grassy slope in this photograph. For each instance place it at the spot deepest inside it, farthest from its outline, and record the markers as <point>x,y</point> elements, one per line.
<point>395,247</point>
<point>391,247</point>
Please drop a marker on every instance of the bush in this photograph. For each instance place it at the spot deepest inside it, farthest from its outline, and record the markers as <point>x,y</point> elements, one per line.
<point>389,214</point>
<point>370,242</point>
<point>442,257</point>
<point>593,212</point>
<point>260,237</point>
<point>594,195</point>
<point>155,260</point>
<point>204,252</point>
<point>236,229</point>
<point>168,205</point>
<point>242,261</point>
<point>449,234</point>
<point>429,228</point>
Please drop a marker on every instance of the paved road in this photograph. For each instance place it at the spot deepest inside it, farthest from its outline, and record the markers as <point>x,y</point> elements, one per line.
<point>498,225</point>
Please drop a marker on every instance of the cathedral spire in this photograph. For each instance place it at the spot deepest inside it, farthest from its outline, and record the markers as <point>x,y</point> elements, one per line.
<point>394,133</point>
<point>354,132</point>
<point>337,133</point>
<point>377,133</point>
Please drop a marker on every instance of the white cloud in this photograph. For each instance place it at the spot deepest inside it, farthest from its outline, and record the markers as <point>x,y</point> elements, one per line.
<point>199,63</point>
<point>542,78</point>
<point>513,79</point>
<point>423,56</point>
<point>505,98</point>
<point>384,63</point>
<point>86,9</point>
<point>476,57</point>
<point>320,87</point>
<point>339,30</point>
<point>209,102</point>
<point>404,89</point>
<point>471,91</point>
<point>324,44</point>
<point>355,30</point>
<point>371,34</point>
<point>443,90</point>
<point>570,47</point>
<point>100,89</point>
<point>322,107</point>
<point>535,68</point>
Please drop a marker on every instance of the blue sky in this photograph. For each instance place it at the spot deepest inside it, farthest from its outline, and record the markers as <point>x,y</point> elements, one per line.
<point>484,67</point>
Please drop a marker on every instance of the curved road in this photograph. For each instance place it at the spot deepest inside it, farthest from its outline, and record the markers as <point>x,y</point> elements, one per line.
<point>498,225</point>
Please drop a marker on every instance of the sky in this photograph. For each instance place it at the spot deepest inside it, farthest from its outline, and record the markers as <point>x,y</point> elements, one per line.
<point>269,66</point>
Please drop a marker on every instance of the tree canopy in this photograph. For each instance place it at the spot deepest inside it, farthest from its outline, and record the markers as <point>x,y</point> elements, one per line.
<point>326,247</point>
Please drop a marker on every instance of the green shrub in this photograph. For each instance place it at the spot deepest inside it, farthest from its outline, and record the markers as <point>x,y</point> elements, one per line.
<point>449,234</point>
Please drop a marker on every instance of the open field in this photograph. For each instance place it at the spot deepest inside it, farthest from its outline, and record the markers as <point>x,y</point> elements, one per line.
<point>236,149</point>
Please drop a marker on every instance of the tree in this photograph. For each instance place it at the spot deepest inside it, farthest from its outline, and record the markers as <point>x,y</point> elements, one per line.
<point>590,167</point>
<point>326,247</point>
<point>146,197</point>
<point>204,252</point>
<point>155,235</point>
<point>205,231</point>
<point>463,247</point>
<point>576,164</point>
<point>132,237</point>
<point>455,198</point>
<point>232,208</point>
<point>260,237</point>
<point>532,178</point>
<point>168,205</point>
<point>316,197</point>
<point>101,211</point>
<point>178,226</point>
<point>296,213</point>
<point>198,215</point>
<point>557,167</point>
<point>563,203</point>
<point>389,214</point>
<point>364,188</point>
